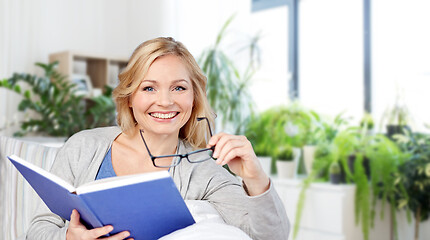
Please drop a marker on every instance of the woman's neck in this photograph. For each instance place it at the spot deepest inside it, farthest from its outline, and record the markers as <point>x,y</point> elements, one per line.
<point>159,144</point>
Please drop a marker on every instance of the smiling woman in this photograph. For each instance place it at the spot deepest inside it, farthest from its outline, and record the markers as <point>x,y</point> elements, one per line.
<point>164,68</point>
<point>163,101</point>
<point>160,101</point>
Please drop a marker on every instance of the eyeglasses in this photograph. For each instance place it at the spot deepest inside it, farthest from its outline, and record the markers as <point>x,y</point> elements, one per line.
<point>197,156</point>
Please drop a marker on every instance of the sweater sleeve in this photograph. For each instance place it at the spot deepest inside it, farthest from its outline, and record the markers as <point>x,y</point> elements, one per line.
<point>270,211</point>
<point>261,217</point>
<point>45,224</point>
<point>77,162</point>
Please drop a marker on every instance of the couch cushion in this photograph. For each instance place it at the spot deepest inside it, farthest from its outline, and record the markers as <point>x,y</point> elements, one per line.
<point>18,200</point>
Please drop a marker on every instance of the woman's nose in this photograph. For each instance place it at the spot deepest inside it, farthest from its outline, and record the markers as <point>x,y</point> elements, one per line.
<point>165,98</point>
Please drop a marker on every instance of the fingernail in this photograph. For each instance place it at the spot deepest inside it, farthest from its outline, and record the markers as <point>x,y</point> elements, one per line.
<point>126,234</point>
<point>110,228</point>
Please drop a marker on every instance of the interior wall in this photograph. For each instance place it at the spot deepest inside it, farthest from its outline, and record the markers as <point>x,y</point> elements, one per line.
<point>31,30</point>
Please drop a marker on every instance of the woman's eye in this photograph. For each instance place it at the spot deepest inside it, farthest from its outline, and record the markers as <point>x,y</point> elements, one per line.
<point>179,88</point>
<point>148,89</point>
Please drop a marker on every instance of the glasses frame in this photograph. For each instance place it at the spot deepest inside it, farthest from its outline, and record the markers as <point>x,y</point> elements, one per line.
<point>181,156</point>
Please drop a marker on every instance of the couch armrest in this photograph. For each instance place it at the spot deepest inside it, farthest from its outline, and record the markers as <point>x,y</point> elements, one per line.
<point>18,200</point>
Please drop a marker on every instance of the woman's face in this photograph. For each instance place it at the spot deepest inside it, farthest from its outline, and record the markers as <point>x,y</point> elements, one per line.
<point>163,102</point>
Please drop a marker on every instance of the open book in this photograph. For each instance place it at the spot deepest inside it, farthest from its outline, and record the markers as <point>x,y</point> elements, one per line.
<point>148,205</point>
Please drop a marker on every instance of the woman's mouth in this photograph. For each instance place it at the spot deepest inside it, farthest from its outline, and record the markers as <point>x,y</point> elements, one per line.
<point>159,115</point>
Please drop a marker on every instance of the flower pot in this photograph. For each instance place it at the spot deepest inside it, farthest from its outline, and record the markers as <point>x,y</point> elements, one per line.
<point>286,169</point>
<point>297,155</point>
<point>266,164</point>
<point>395,129</point>
<point>335,178</point>
<point>309,156</point>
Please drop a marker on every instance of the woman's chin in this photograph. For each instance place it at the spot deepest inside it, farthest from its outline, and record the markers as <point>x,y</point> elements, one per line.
<point>164,131</point>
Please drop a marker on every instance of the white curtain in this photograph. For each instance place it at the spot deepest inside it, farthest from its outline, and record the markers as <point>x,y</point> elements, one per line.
<point>17,25</point>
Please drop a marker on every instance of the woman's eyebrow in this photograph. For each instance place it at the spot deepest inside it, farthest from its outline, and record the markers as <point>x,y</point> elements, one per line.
<point>148,80</point>
<point>177,81</point>
<point>180,80</point>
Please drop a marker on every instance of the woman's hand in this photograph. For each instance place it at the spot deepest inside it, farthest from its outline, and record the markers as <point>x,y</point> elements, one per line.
<point>77,230</point>
<point>238,154</point>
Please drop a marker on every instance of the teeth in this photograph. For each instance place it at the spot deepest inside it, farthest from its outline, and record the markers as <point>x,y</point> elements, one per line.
<point>163,116</point>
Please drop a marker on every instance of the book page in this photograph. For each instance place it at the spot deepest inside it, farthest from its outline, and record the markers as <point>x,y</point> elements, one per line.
<point>114,182</point>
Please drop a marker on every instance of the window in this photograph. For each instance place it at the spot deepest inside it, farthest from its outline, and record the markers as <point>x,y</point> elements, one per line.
<point>270,85</point>
<point>331,56</point>
<point>401,57</point>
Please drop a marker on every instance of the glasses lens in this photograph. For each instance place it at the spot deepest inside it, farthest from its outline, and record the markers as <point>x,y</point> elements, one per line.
<point>200,156</point>
<point>166,162</point>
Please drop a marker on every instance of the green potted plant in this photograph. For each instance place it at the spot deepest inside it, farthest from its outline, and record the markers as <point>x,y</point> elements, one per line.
<point>285,163</point>
<point>322,130</point>
<point>415,176</point>
<point>312,138</point>
<point>325,154</point>
<point>352,144</point>
<point>371,162</point>
<point>282,124</point>
<point>367,122</point>
<point>59,111</point>
<point>386,158</point>
<point>227,86</point>
<point>396,118</point>
<point>345,143</point>
<point>291,125</point>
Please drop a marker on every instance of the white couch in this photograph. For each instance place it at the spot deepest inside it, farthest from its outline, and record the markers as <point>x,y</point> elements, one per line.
<point>18,200</point>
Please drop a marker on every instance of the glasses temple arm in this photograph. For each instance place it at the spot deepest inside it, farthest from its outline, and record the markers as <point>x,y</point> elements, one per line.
<point>144,142</point>
<point>207,120</point>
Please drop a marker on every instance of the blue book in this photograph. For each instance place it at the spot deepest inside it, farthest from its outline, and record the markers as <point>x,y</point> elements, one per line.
<point>148,205</point>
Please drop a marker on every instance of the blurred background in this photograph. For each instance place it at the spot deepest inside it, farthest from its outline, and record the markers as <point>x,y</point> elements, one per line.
<point>335,87</point>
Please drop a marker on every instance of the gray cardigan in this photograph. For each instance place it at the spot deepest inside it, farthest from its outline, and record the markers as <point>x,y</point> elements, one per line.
<point>261,217</point>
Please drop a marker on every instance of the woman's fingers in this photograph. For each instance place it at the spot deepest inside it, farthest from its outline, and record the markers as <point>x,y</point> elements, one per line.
<point>101,231</point>
<point>77,230</point>
<point>238,148</point>
<point>118,236</point>
<point>225,150</point>
<point>223,142</point>
<point>74,218</point>
<point>237,152</point>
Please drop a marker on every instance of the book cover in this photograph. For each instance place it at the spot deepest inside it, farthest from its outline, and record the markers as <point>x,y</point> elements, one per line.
<point>148,205</point>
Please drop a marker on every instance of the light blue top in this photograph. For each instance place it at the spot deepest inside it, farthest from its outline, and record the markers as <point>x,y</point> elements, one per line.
<point>106,169</point>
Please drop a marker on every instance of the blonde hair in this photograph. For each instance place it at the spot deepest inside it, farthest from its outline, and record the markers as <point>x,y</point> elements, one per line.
<point>130,78</point>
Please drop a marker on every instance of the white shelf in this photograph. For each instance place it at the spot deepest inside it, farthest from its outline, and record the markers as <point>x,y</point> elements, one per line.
<point>328,213</point>
<point>101,70</point>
